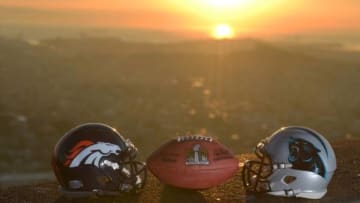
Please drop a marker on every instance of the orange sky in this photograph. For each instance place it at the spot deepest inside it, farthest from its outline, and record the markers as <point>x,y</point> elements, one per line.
<point>246,17</point>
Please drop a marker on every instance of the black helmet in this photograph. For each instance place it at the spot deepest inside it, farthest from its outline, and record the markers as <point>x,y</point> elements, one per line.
<point>94,159</point>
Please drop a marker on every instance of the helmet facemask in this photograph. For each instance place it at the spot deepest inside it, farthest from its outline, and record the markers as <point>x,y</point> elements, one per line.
<point>256,172</point>
<point>133,175</point>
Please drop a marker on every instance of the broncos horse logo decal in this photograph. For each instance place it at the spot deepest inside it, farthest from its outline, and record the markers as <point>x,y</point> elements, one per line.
<point>90,153</point>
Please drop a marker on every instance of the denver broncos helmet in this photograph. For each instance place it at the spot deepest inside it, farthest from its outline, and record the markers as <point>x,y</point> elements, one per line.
<point>293,162</point>
<point>93,159</point>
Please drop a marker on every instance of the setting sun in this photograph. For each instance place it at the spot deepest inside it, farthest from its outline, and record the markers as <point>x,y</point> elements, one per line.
<point>223,31</point>
<point>228,3</point>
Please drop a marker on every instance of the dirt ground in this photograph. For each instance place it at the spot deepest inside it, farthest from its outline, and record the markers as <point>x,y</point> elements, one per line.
<point>344,187</point>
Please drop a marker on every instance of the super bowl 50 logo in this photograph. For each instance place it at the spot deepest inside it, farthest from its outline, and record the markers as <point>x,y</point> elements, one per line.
<point>197,156</point>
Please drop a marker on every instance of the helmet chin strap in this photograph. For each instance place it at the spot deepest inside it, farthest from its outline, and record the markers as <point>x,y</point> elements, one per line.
<point>290,193</point>
<point>283,193</point>
<point>86,194</point>
<point>276,166</point>
<point>298,193</point>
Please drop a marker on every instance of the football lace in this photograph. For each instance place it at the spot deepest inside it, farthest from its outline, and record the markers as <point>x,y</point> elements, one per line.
<point>194,137</point>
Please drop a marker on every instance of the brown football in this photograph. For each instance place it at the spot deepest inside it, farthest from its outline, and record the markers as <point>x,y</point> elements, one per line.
<point>193,162</point>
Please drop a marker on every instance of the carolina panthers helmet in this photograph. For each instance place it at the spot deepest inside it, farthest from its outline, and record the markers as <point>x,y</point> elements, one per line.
<point>93,159</point>
<point>292,162</point>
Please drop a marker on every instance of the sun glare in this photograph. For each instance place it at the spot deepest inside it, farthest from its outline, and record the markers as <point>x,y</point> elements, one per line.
<point>223,31</point>
<point>227,3</point>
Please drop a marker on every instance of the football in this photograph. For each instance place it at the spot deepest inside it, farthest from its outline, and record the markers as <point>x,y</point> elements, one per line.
<point>193,162</point>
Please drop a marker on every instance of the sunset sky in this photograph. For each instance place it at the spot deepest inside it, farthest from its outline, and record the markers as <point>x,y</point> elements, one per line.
<point>244,17</point>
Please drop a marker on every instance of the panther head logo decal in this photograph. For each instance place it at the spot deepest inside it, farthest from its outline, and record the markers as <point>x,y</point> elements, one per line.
<point>304,156</point>
<point>89,153</point>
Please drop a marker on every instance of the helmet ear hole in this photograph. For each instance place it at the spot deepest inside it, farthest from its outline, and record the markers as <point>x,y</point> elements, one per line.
<point>289,179</point>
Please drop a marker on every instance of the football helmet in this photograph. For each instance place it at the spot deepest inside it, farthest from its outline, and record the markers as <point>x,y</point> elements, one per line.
<point>93,159</point>
<point>292,162</point>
